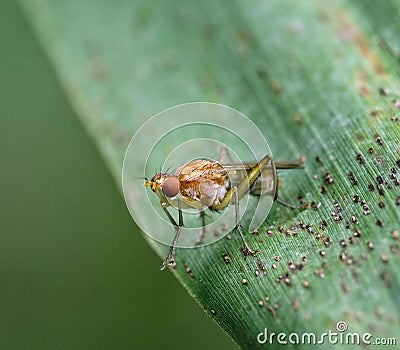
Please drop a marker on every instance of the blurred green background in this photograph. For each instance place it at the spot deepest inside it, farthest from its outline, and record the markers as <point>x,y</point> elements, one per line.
<point>74,271</point>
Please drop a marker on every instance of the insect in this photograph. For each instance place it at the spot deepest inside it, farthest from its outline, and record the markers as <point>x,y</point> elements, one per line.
<point>208,184</point>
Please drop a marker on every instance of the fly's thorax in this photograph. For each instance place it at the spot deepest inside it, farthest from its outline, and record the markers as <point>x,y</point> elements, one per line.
<point>204,181</point>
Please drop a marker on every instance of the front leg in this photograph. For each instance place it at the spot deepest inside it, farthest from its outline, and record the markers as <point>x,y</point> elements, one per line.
<point>170,259</point>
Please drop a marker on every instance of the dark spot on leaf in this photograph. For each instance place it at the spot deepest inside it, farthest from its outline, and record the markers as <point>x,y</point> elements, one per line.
<point>394,248</point>
<point>345,288</point>
<point>360,158</point>
<point>379,160</point>
<point>352,178</point>
<point>383,91</point>
<point>385,277</point>
<point>188,270</point>
<point>227,258</point>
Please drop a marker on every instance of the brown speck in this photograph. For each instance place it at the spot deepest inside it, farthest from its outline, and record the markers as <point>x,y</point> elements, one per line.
<point>228,237</point>
<point>327,242</point>
<point>319,160</point>
<point>328,179</point>
<point>315,205</point>
<point>304,258</point>
<point>383,91</point>
<point>398,163</point>
<point>354,219</point>
<point>396,103</point>
<point>323,190</point>
<point>394,248</point>
<point>188,270</point>
<point>371,150</point>
<point>366,210</point>
<point>371,187</point>
<point>281,229</point>
<point>322,253</point>
<point>261,72</point>
<point>305,284</point>
<point>375,112</point>
<point>276,87</point>
<point>385,277</point>
<point>356,198</point>
<point>381,205</point>
<point>343,243</point>
<point>370,245</point>
<point>380,190</point>
<point>323,225</point>
<point>213,312</point>
<point>295,303</point>
<point>345,288</point>
<point>270,233</point>
<point>379,179</point>
<point>226,258</point>
<point>360,158</point>
<point>309,228</point>
<point>398,201</point>
<point>343,256</point>
<point>385,258</point>
<point>244,282</point>
<point>277,258</point>
<point>379,160</point>
<point>394,118</point>
<point>274,266</point>
<point>379,223</point>
<point>260,303</point>
<point>292,266</point>
<point>297,119</point>
<point>357,233</point>
<point>378,312</point>
<point>395,234</point>
<point>352,178</point>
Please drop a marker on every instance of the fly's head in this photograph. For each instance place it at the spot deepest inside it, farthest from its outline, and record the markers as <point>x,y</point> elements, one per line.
<point>165,186</point>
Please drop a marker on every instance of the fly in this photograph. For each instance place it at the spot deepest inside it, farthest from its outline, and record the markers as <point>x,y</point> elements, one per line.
<point>207,184</point>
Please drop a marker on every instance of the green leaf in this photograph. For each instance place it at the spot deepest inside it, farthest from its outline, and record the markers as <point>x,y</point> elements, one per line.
<point>320,79</point>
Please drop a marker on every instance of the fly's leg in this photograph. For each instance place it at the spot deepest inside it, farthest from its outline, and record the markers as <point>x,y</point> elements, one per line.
<point>203,228</point>
<point>237,192</point>
<point>246,249</point>
<point>286,204</point>
<point>170,259</point>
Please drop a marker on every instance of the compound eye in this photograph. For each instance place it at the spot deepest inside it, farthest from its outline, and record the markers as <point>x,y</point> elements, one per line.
<point>171,187</point>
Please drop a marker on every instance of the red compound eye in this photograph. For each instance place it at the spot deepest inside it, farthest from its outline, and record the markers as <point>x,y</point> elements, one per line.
<point>171,187</point>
